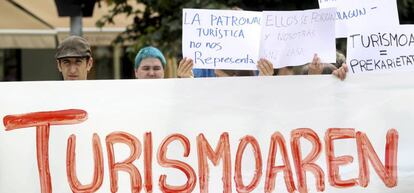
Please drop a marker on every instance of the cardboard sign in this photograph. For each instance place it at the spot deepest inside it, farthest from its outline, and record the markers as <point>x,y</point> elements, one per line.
<point>289,134</point>
<point>291,38</point>
<point>358,14</point>
<point>221,39</point>
<point>381,50</point>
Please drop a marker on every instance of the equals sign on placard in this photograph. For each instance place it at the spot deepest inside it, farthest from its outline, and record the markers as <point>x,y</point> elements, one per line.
<point>383,52</point>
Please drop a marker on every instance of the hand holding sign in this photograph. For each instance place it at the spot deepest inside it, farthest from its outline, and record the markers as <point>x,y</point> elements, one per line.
<point>265,67</point>
<point>185,68</point>
<point>315,67</point>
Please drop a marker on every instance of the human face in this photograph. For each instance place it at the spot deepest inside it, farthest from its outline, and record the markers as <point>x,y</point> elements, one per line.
<point>74,68</point>
<point>150,68</point>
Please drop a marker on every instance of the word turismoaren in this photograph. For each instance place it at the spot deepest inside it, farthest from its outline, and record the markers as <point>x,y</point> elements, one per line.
<point>43,121</point>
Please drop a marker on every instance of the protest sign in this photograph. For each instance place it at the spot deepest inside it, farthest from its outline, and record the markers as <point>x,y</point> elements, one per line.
<point>291,38</point>
<point>359,14</point>
<point>221,39</point>
<point>187,135</point>
<point>381,50</point>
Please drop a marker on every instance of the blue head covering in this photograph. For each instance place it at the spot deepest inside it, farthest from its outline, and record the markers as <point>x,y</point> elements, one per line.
<point>149,52</point>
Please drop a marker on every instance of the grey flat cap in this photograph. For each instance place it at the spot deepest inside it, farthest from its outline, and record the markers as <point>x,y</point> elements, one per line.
<point>73,47</point>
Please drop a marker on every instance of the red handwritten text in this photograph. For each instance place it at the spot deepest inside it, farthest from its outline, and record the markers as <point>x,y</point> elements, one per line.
<point>387,172</point>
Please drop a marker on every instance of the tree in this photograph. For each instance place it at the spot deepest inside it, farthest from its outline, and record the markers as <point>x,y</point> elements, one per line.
<point>159,24</point>
<point>406,11</point>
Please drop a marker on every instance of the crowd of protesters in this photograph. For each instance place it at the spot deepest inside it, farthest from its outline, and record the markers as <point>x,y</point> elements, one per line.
<point>74,60</point>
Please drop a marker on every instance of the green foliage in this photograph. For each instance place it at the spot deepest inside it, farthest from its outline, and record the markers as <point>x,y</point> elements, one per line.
<point>406,11</point>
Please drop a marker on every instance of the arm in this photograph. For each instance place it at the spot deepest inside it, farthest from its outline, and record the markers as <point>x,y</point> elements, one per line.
<point>341,72</point>
<point>315,67</point>
<point>265,67</point>
<point>185,68</point>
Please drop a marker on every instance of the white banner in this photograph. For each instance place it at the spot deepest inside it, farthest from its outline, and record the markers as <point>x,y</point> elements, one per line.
<point>253,134</point>
<point>381,50</point>
<point>221,39</point>
<point>360,14</point>
<point>291,38</point>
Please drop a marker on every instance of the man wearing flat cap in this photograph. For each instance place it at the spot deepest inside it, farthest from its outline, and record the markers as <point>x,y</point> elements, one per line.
<point>74,58</point>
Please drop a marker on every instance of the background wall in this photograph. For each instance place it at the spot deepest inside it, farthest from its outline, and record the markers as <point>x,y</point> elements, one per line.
<point>41,67</point>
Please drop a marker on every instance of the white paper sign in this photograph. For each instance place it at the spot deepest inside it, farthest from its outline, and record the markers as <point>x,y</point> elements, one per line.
<point>381,50</point>
<point>291,38</point>
<point>322,130</point>
<point>359,14</point>
<point>221,39</point>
